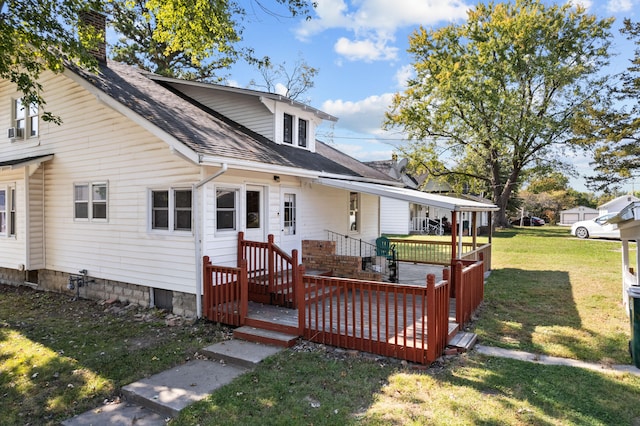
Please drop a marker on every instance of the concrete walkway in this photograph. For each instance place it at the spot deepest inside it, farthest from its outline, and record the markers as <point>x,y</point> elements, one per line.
<point>152,401</point>
<point>552,360</point>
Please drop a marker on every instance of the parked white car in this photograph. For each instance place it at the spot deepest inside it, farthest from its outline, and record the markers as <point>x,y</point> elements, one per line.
<point>597,227</point>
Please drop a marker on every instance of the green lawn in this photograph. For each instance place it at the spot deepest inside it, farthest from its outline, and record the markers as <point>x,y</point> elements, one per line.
<point>553,294</point>
<point>548,293</point>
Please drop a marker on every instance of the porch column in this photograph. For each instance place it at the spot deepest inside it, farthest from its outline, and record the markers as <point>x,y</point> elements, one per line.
<point>474,227</point>
<point>454,230</point>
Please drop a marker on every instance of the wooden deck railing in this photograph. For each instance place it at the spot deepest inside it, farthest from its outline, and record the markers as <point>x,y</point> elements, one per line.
<point>225,293</point>
<point>419,251</point>
<point>481,253</point>
<point>469,289</point>
<point>271,271</point>
<point>402,321</point>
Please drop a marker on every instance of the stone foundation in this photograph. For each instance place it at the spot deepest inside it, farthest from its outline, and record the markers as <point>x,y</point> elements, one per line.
<point>320,256</point>
<point>184,304</point>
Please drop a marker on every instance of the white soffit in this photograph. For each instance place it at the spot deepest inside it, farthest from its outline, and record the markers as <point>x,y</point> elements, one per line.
<point>410,195</point>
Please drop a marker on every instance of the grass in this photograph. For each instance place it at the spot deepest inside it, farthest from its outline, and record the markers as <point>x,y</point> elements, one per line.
<point>555,295</point>
<point>548,294</point>
<point>59,358</point>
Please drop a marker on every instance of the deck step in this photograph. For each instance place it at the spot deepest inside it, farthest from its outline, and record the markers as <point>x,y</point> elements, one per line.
<point>463,341</point>
<point>268,337</point>
<point>240,353</point>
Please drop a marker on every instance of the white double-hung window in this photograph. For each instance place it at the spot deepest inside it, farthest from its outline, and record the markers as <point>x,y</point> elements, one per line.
<point>25,120</point>
<point>7,211</point>
<point>171,209</point>
<point>90,200</point>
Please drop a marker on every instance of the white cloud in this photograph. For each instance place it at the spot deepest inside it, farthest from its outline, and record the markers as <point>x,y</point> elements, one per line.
<point>618,6</point>
<point>373,23</point>
<point>584,3</point>
<point>365,50</point>
<point>403,75</point>
<point>370,150</point>
<point>364,116</point>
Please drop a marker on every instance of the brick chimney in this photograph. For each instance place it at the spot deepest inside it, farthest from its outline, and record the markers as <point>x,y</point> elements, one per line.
<point>99,22</point>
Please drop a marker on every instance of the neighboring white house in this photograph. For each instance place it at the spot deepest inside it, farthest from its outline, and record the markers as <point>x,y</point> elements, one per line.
<point>616,205</point>
<point>576,214</point>
<point>403,218</point>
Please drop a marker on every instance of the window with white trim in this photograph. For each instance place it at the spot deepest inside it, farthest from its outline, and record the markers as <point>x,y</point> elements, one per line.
<point>171,209</point>
<point>303,125</point>
<point>90,201</point>
<point>354,211</point>
<point>12,212</point>
<point>287,132</point>
<point>290,220</point>
<point>295,131</point>
<point>3,211</point>
<point>25,119</point>
<point>7,211</point>
<point>227,209</point>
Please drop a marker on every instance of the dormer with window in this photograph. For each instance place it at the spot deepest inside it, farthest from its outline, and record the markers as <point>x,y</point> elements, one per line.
<point>295,124</point>
<point>276,117</point>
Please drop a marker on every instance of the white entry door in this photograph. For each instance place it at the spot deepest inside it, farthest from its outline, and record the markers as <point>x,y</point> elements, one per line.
<point>255,217</point>
<point>289,217</point>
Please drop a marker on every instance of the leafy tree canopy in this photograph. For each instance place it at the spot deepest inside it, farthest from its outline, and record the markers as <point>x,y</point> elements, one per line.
<point>182,38</point>
<point>36,35</point>
<point>191,39</point>
<point>500,92</point>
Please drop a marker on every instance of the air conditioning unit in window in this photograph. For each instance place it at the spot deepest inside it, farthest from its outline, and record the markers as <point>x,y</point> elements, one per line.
<point>11,133</point>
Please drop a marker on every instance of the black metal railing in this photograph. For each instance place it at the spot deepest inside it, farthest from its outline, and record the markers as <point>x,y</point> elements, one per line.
<point>386,264</point>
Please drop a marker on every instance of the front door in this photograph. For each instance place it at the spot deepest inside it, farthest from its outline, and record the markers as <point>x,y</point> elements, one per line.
<point>289,219</point>
<point>255,218</point>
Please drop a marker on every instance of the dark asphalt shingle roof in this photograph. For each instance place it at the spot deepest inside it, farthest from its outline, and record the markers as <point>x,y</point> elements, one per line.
<point>209,133</point>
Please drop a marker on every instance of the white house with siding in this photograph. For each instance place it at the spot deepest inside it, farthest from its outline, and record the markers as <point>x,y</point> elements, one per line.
<point>617,204</point>
<point>147,174</point>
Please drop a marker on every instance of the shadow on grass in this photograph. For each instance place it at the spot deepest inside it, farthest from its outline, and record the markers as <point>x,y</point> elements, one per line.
<point>518,392</point>
<point>535,311</point>
<point>59,358</point>
<point>533,231</point>
<point>294,388</point>
<point>310,388</point>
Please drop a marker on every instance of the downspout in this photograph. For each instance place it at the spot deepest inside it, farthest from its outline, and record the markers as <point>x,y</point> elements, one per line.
<point>198,235</point>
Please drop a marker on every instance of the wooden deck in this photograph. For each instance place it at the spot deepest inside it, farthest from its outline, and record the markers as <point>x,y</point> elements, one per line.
<point>289,317</point>
<point>412,321</point>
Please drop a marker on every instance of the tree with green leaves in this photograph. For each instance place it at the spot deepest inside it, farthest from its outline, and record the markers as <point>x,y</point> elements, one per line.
<point>614,129</point>
<point>42,35</point>
<point>190,39</point>
<point>499,93</point>
<point>180,38</point>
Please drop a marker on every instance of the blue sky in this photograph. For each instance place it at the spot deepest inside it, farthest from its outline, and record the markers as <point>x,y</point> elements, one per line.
<point>359,47</point>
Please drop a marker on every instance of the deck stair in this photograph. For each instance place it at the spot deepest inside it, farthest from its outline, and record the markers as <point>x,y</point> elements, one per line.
<point>463,341</point>
<point>267,337</point>
<point>267,324</point>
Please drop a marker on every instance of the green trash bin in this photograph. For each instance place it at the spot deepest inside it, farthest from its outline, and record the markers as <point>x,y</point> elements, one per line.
<point>634,318</point>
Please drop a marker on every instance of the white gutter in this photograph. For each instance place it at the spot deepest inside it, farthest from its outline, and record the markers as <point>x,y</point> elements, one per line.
<point>198,234</point>
<point>239,164</point>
